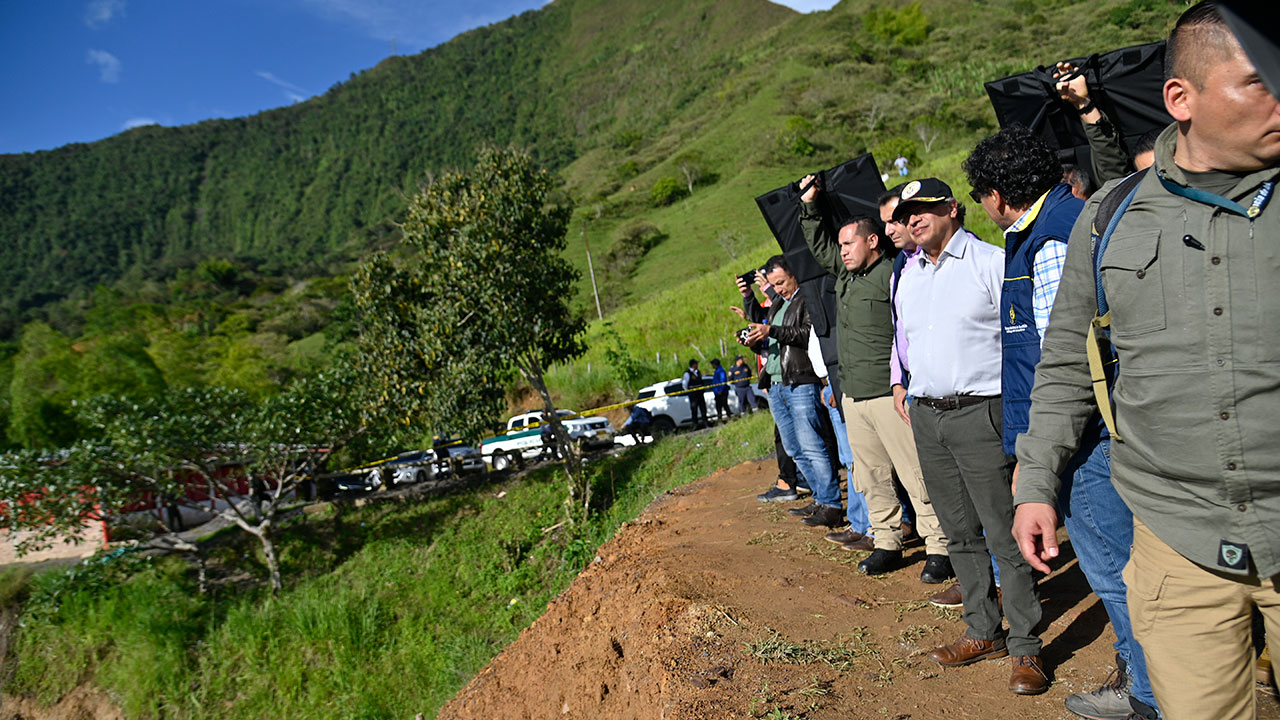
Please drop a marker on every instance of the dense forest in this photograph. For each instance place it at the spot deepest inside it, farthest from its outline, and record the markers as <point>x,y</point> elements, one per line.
<point>218,253</point>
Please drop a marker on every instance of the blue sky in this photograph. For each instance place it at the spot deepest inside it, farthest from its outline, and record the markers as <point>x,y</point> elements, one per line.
<point>81,70</point>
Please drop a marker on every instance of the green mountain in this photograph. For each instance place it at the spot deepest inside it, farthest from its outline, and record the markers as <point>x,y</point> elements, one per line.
<point>296,188</point>
<point>217,252</point>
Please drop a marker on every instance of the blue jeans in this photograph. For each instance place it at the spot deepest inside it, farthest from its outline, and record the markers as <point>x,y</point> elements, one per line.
<point>856,512</point>
<point>1101,530</point>
<point>795,412</point>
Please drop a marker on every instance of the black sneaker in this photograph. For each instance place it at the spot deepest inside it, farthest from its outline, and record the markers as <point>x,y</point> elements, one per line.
<point>937,569</point>
<point>805,511</point>
<point>880,561</point>
<point>777,494</point>
<point>827,516</point>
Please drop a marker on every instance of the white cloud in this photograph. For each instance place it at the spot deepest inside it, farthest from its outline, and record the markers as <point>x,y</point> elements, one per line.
<point>100,12</point>
<point>291,91</point>
<point>108,65</point>
<point>132,123</point>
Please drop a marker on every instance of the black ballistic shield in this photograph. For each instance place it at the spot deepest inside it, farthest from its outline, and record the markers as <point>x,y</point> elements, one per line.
<point>1126,84</point>
<point>849,191</point>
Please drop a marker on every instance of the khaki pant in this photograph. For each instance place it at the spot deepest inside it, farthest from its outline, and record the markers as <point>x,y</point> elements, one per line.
<point>881,442</point>
<point>1194,626</point>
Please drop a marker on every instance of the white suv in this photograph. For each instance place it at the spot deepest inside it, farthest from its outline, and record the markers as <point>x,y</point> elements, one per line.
<point>670,410</point>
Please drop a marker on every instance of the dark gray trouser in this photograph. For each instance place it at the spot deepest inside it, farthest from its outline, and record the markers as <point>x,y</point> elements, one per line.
<point>968,477</point>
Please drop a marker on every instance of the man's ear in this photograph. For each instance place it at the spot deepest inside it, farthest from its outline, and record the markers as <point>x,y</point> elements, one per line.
<point>873,241</point>
<point>955,208</point>
<point>1177,92</point>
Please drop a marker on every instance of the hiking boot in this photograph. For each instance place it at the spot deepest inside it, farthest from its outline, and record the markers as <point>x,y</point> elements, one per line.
<point>967,651</point>
<point>777,494</point>
<point>827,516</point>
<point>880,562</point>
<point>1109,702</point>
<point>840,537</point>
<point>937,569</point>
<point>805,511</point>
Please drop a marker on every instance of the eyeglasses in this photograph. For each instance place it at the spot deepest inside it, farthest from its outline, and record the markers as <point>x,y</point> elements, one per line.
<point>976,196</point>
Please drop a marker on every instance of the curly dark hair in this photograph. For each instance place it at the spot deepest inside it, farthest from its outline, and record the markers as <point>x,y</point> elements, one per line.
<point>1013,161</point>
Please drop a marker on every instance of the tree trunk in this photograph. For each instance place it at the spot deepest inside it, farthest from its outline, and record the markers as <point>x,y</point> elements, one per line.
<point>579,500</point>
<point>264,532</point>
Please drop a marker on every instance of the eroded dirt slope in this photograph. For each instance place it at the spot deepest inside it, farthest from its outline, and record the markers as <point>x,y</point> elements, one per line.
<point>695,609</point>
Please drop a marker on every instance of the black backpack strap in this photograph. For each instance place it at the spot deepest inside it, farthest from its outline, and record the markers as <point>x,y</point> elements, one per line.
<point>1103,362</point>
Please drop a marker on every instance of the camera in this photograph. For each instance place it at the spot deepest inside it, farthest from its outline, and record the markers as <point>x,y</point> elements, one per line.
<point>742,335</point>
<point>748,277</point>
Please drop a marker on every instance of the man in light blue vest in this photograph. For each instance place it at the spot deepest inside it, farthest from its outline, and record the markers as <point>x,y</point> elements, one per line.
<point>1017,179</point>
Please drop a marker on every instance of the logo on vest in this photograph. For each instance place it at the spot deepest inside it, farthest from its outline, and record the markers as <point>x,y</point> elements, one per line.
<point>1012,318</point>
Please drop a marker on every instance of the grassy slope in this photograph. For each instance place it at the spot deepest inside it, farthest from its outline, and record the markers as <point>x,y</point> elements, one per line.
<point>827,68</point>
<point>392,608</point>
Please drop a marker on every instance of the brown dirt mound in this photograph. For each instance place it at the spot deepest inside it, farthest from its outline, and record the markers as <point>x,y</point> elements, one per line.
<point>713,605</point>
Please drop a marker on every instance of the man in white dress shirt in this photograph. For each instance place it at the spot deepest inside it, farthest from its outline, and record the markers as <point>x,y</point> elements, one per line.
<point>950,300</point>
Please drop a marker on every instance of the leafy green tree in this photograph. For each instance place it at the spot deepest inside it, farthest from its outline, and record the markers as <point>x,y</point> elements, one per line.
<point>478,298</point>
<point>45,375</point>
<point>905,26</point>
<point>185,447</point>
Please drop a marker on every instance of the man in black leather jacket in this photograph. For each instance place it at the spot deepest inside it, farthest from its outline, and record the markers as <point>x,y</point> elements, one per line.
<point>781,334</point>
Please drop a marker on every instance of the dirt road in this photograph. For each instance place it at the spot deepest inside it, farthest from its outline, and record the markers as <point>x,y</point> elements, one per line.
<point>713,605</point>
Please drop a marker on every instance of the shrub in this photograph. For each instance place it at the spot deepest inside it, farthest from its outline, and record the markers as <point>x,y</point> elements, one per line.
<point>666,191</point>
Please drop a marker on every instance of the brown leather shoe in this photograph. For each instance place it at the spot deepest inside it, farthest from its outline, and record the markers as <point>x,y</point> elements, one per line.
<point>949,598</point>
<point>841,537</point>
<point>967,651</point>
<point>1028,676</point>
<point>863,544</point>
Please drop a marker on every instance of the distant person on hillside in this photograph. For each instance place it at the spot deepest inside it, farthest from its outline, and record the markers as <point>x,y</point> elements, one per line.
<point>740,377</point>
<point>693,383</point>
<point>794,396</point>
<point>901,164</point>
<point>720,390</point>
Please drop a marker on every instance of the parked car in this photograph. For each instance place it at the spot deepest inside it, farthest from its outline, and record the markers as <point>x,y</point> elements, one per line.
<point>415,466</point>
<point>523,437</point>
<point>671,410</point>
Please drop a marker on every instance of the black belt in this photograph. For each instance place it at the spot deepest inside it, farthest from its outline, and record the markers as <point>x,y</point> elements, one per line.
<point>954,402</point>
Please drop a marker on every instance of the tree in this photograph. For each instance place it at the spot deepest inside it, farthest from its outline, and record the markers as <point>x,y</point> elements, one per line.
<point>666,191</point>
<point>928,134</point>
<point>477,298</point>
<point>690,165</point>
<point>184,449</point>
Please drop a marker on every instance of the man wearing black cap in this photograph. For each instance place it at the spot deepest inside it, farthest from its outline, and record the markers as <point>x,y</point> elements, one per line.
<point>950,298</point>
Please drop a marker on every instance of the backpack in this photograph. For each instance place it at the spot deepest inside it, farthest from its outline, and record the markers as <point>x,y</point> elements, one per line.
<point>1103,363</point>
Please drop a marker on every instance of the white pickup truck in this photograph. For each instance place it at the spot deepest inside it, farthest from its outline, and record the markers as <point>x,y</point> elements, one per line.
<point>523,438</point>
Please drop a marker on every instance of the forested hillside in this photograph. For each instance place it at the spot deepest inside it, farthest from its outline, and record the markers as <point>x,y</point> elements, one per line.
<point>218,253</point>
<point>296,188</point>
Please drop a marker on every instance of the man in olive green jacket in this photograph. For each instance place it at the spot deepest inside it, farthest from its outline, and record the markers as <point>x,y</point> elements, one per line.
<point>1190,276</point>
<point>881,442</point>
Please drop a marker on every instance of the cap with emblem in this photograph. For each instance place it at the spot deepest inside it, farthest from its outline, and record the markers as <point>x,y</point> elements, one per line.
<point>921,192</point>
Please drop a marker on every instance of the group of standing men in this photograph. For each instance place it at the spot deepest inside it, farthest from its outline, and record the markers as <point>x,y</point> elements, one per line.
<point>957,356</point>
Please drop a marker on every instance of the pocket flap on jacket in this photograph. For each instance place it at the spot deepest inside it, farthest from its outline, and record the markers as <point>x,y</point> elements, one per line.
<point>1135,251</point>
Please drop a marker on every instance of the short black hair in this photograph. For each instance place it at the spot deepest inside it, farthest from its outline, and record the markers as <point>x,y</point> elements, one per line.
<point>1146,143</point>
<point>890,194</point>
<point>1015,162</point>
<point>865,226</point>
<point>778,262</point>
<point>1199,39</point>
